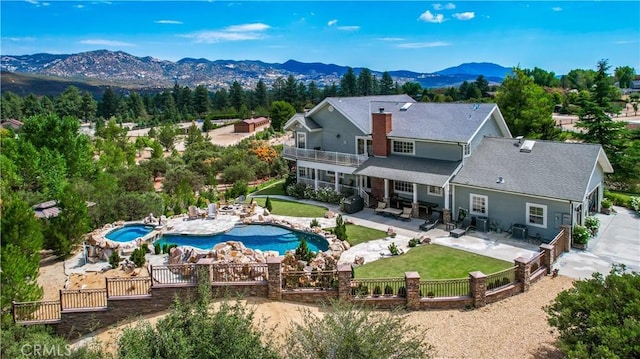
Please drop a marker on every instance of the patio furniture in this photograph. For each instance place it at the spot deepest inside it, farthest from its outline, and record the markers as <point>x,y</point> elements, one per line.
<point>431,222</point>
<point>193,213</point>
<point>381,207</point>
<point>462,229</point>
<point>406,213</point>
<point>212,211</point>
<point>392,212</point>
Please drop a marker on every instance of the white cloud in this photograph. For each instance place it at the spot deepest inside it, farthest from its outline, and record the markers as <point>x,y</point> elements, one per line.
<point>19,39</point>
<point>448,6</point>
<point>170,22</point>
<point>421,45</point>
<point>348,28</point>
<point>102,42</point>
<point>332,22</point>
<point>556,8</point>
<point>427,16</point>
<point>232,33</point>
<point>464,15</point>
<point>37,3</point>
<point>624,42</point>
<point>80,6</point>
<point>391,39</point>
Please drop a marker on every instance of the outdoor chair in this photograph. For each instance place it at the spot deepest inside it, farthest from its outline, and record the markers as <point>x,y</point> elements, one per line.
<point>431,222</point>
<point>212,211</point>
<point>381,207</point>
<point>406,213</point>
<point>193,212</point>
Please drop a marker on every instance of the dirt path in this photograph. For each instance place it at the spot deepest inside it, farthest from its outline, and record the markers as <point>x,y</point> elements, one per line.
<point>512,328</point>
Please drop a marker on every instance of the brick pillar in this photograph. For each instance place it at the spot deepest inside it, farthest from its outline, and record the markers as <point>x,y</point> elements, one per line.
<point>412,283</point>
<point>344,282</point>
<point>205,267</point>
<point>274,268</point>
<point>566,238</point>
<point>446,215</point>
<point>478,286</point>
<point>548,256</point>
<point>523,273</point>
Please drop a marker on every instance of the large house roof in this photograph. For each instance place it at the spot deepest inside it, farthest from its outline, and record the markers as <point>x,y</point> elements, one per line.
<point>409,169</point>
<point>452,122</point>
<point>558,170</point>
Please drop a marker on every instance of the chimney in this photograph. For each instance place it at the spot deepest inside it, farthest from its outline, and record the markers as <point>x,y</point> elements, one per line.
<point>381,126</point>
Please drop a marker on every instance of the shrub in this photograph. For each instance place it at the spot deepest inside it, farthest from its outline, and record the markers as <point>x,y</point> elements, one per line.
<point>303,253</point>
<point>606,203</point>
<point>341,229</point>
<point>314,223</point>
<point>393,249</point>
<point>581,234</point>
<point>157,248</point>
<point>402,292</point>
<point>114,259</point>
<point>592,223</point>
<point>268,205</point>
<point>635,204</point>
<point>414,242</point>
<point>388,290</point>
<point>137,256</point>
<point>165,248</point>
<point>377,291</point>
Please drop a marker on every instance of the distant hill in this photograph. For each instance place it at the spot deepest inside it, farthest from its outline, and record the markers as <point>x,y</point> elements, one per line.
<point>122,70</point>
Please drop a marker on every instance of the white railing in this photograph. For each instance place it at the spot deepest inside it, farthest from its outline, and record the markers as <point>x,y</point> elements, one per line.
<point>337,158</point>
<point>364,196</point>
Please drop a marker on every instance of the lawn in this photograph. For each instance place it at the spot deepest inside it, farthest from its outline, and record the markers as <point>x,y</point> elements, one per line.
<point>431,261</point>
<point>358,234</point>
<point>271,189</point>
<point>293,209</point>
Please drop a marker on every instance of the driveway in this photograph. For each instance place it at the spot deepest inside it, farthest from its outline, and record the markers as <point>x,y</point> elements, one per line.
<point>617,242</point>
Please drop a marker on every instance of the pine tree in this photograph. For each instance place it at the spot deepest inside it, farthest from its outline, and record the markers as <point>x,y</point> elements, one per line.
<point>268,204</point>
<point>341,229</point>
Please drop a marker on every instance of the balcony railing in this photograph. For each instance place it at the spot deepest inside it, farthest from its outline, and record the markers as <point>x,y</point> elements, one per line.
<point>336,158</point>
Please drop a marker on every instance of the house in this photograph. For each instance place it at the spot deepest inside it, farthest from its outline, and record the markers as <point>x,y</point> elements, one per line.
<point>532,184</point>
<point>424,156</point>
<point>250,125</point>
<point>15,125</point>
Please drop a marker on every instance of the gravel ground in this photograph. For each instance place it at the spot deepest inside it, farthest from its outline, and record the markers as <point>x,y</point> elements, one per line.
<point>513,328</point>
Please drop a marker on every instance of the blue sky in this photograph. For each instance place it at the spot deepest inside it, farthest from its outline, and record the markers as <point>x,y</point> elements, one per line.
<point>421,36</point>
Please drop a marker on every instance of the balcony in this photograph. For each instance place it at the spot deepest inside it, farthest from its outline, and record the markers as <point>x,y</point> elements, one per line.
<point>335,158</point>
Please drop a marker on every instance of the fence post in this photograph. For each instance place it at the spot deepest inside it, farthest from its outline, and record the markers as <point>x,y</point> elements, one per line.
<point>274,268</point>
<point>478,286</point>
<point>13,310</point>
<point>523,272</point>
<point>344,282</point>
<point>151,274</point>
<point>548,256</point>
<point>60,296</point>
<point>106,285</point>
<point>412,284</point>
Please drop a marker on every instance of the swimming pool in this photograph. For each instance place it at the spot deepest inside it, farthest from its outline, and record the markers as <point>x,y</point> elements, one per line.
<point>265,237</point>
<point>129,232</point>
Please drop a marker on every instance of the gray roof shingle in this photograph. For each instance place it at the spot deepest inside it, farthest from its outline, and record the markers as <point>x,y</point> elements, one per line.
<point>552,169</point>
<point>409,169</point>
<point>359,109</point>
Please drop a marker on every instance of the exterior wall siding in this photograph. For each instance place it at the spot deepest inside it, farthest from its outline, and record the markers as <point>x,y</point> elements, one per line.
<point>489,129</point>
<point>511,209</point>
<point>438,151</point>
<point>338,134</point>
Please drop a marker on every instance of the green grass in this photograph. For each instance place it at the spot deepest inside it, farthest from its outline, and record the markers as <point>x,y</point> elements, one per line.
<point>431,261</point>
<point>271,189</point>
<point>358,234</point>
<point>293,209</point>
<point>620,198</point>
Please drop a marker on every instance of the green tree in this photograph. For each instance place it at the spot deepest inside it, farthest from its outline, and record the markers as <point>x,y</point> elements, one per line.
<point>624,75</point>
<point>261,96</point>
<point>349,83</point>
<point>195,330</point>
<point>167,136</point>
<point>386,84</point>
<point>598,317</point>
<point>236,94</point>
<point>341,229</point>
<point>31,106</point>
<point>70,103</point>
<point>201,100</point>
<point>526,107</point>
<point>280,113</point>
<point>66,231</point>
<point>349,330</point>
<point>20,252</point>
<point>89,107</point>
<point>268,205</point>
<point>11,106</point>
<point>365,82</point>
<point>108,105</point>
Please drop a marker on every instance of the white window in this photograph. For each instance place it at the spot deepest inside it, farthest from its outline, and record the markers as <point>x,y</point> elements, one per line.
<point>302,171</point>
<point>402,186</point>
<point>403,147</point>
<point>466,150</point>
<point>332,174</point>
<point>478,204</point>
<point>537,215</point>
<point>302,140</point>
<point>434,190</point>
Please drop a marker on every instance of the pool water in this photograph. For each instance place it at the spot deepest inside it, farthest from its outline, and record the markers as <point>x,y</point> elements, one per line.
<point>129,233</point>
<point>255,236</point>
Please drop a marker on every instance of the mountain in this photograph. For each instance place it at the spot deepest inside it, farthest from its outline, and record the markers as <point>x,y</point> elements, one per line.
<point>122,70</point>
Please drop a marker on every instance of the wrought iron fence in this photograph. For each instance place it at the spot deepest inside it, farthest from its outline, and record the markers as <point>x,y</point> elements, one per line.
<point>43,311</point>
<point>128,286</point>
<point>536,263</point>
<point>83,298</point>
<point>232,272</point>
<point>445,288</point>
<point>558,245</point>
<point>312,280</point>
<point>174,274</point>
<point>501,279</point>
<point>378,287</point>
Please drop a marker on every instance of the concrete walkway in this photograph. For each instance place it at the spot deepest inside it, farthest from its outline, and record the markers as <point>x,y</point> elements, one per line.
<point>618,241</point>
